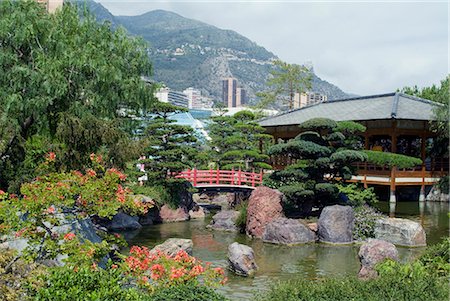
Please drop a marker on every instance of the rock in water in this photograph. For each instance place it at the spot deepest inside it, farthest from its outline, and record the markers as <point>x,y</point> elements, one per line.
<point>287,232</point>
<point>122,221</point>
<point>173,245</point>
<point>336,224</point>
<point>401,232</point>
<point>264,206</point>
<point>169,215</point>
<point>197,212</point>
<point>372,252</point>
<point>225,220</point>
<point>241,259</point>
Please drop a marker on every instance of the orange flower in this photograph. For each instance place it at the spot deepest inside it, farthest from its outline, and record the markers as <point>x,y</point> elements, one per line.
<point>91,173</point>
<point>69,236</point>
<point>114,266</point>
<point>219,271</point>
<point>51,156</point>
<point>92,156</point>
<point>50,210</point>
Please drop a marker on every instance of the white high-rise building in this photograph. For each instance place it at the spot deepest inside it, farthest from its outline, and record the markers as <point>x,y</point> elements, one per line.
<point>307,99</point>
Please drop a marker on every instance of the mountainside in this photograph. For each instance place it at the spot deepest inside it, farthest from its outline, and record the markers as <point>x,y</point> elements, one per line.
<point>189,53</point>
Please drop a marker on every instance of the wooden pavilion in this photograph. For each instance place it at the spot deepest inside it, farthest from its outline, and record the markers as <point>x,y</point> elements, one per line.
<point>395,122</point>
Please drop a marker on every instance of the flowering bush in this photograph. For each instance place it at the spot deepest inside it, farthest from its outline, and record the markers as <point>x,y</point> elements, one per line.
<point>55,197</point>
<point>155,269</point>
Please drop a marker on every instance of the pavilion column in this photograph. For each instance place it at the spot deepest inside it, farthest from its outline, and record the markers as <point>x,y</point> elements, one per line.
<point>423,156</point>
<point>392,197</point>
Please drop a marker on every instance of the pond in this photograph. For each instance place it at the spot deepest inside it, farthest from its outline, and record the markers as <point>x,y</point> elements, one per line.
<point>282,262</point>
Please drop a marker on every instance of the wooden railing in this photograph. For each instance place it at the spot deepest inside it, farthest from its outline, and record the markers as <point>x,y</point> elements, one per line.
<point>214,177</point>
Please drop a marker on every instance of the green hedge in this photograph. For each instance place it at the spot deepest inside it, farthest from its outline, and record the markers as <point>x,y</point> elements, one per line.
<point>391,159</point>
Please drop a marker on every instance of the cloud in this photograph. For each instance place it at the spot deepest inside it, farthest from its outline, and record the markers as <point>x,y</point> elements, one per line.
<point>362,47</point>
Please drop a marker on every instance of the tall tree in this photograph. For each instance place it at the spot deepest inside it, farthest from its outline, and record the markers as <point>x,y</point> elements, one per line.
<point>286,81</point>
<point>237,142</point>
<point>169,148</point>
<point>55,65</point>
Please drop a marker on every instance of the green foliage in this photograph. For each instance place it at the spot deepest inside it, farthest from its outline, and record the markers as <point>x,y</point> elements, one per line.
<point>55,66</point>
<point>390,159</point>
<point>357,195</point>
<point>322,159</point>
<point>236,140</point>
<point>286,81</point>
<point>350,127</point>
<point>187,292</point>
<point>241,220</point>
<point>443,184</point>
<point>423,279</point>
<point>365,219</point>
<point>86,283</point>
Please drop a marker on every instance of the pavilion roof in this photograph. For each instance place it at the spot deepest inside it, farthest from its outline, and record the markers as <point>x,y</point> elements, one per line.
<point>374,107</point>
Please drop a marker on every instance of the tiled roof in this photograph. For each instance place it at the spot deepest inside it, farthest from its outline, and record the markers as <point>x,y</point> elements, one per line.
<point>383,106</point>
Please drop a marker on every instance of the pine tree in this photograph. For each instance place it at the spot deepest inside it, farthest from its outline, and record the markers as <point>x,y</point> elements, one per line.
<point>323,154</point>
<point>238,142</point>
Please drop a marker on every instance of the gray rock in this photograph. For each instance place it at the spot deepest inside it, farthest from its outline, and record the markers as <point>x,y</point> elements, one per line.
<point>372,252</point>
<point>122,221</point>
<point>197,212</point>
<point>173,245</point>
<point>169,215</point>
<point>225,220</point>
<point>241,259</point>
<point>336,224</point>
<point>436,195</point>
<point>287,232</point>
<point>401,232</point>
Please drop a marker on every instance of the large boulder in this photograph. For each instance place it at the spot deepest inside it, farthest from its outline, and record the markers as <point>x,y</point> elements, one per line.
<point>225,220</point>
<point>436,195</point>
<point>173,245</point>
<point>264,206</point>
<point>122,221</point>
<point>197,212</point>
<point>401,232</point>
<point>169,215</point>
<point>241,259</point>
<point>372,252</point>
<point>336,224</point>
<point>287,232</point>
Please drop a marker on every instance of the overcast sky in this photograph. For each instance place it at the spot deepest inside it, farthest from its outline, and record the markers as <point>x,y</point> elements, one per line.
<point>362,47</point>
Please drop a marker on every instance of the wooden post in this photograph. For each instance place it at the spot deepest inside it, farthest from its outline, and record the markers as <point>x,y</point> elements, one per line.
<point>217,176</point>
<point>253,177</point>
<point>239,177</point>
<point>392,197</point>
<point>422,187</point>
<point>394,137</point>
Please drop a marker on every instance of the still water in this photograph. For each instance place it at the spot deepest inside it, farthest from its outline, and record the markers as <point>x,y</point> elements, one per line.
<point>282,262</point>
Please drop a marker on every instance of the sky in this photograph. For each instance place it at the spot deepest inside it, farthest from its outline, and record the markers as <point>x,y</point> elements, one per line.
<point>363,47</point>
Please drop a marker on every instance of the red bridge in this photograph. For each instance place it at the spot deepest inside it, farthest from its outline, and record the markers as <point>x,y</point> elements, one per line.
<point>215,178</point>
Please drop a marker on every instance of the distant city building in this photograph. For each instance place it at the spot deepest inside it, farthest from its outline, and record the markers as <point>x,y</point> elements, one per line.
<point>232,95</point>
<point>174,97</point>
<point>196,100</point>
<point>306,99</point>
<point>51,5</point>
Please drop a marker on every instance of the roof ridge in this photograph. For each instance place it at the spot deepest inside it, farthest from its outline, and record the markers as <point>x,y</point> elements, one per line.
<point>416,98</point>
<point>363,97</point>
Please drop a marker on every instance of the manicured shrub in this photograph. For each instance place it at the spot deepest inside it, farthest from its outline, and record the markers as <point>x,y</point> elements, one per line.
<point>365,219</point>
<point>357,195</point>
<point>391,159</point>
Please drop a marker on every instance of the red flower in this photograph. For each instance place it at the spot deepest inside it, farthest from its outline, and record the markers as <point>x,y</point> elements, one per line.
<point>224,280</point>
<point>122,176</point>
<point>219,271</point>
<point>177,273</point>
<point>91,173</point>
<point>2,192</point>
<point>69,236</point>
<point>50,210</point>
<point>51,156</point>
<point>114,266</point>
<point>92,156</point>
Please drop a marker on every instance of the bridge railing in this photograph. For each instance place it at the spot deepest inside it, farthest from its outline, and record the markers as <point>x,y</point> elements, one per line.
<point>217,177</point>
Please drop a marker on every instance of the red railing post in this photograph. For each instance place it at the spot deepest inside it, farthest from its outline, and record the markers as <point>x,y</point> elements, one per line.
<point>253,177</point>
<point>217,176</point>
<point>239,177</point>
<point>232,176</point>
<point>210,176</point>
<point>195,177</point>
<point>187,175</point>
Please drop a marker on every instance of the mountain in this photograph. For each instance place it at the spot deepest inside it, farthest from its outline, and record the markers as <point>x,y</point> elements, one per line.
<point>189,53</point>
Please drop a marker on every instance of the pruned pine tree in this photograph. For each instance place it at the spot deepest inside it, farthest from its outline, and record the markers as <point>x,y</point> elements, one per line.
<point>323,155</point>
<point>239,142</point>
<point>169,147</point>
